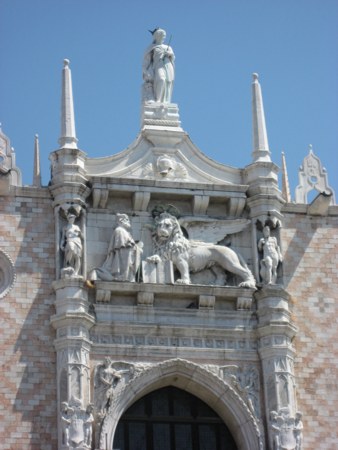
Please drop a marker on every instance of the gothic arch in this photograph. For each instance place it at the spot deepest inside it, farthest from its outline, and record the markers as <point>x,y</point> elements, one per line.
<point>196,380</point>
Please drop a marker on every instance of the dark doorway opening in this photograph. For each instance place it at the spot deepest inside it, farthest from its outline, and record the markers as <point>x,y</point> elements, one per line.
<point>171,419</point>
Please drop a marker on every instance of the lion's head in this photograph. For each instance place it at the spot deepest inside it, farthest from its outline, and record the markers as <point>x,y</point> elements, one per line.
<point>166,226</point>
<point>168,236</point>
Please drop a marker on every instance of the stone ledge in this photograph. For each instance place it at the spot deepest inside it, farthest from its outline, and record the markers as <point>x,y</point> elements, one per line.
<point>145,294</point>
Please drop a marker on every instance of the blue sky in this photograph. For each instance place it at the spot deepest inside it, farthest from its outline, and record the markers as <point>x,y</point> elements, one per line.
<point>291,44</point>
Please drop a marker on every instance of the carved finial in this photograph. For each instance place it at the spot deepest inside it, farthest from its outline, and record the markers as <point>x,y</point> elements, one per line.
<point>261,151</point>
<point>285,180</point>
<point>312,176</point>
<point>68,134</point>
<point>37,171</point>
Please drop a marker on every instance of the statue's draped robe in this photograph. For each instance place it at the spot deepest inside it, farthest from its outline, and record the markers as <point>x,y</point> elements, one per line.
<point>160,69</point>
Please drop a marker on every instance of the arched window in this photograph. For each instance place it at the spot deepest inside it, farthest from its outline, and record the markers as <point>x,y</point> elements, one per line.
<point>171,419</point>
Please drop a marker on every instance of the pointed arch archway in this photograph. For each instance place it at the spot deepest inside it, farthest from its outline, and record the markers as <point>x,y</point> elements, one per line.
<point>196,380</point>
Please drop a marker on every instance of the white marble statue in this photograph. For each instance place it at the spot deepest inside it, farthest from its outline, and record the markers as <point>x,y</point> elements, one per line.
<point>271,256</point>
<point>123,258</point>
<point>299,430</point>
<point>66,414</point>
<point>88,425</point>
<point>194,256</point>
<point>158,69</point>
<point>71,245</point>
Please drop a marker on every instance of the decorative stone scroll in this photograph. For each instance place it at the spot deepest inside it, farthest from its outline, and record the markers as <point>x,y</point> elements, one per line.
<point>194,256</point>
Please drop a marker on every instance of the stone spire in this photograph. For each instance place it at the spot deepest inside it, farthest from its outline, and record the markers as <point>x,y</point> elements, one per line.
<point>68,133</point>
<point>37,171</point>
<point>261,150</point>
<point>285,181</point>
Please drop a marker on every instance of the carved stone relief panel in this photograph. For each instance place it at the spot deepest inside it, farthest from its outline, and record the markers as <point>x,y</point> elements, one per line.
<point>286,430</point>
<point>165,167</point>
<point>76,425</point>
<point>123,259</point>
<point>188,256</point>
<point>245,379</point>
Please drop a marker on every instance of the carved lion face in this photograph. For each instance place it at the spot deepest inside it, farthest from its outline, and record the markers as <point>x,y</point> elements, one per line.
<point>166,226</point>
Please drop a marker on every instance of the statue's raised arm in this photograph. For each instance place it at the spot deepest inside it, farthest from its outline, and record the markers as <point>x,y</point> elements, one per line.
<point>158,69</point>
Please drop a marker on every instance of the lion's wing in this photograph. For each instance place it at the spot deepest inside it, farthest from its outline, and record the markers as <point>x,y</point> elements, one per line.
<point>212,230</point>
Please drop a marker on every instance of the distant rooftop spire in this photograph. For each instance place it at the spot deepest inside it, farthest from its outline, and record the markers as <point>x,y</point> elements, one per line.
<point>261,150</point>
<point>285,181</point>
<point>68,133</point>
<point>37,172</point>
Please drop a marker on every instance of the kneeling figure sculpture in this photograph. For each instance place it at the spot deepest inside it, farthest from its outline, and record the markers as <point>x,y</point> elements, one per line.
<point>194,256</point>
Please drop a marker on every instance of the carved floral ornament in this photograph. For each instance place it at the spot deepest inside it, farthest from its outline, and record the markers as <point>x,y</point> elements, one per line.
<point>7,274</point>
<point>129,382</point>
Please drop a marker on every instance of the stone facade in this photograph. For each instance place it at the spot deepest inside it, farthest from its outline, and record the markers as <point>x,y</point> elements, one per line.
<point>158,267</point>
<point>28,365</point>
<point>310,274</point>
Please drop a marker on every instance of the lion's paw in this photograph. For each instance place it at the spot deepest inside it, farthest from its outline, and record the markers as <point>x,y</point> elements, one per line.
<point>182,281</point>
<point>155,259</point>
<point>248,284</point>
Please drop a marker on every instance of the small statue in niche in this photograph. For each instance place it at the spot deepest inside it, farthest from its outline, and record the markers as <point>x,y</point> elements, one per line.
<point>88,425</point>
<point>124,254</point>
<point>299,430</point>
<point>194,256</point>
<point>71,245</point>
<point>158,69</point>
<point>66,415</point>
<point>271,256</point>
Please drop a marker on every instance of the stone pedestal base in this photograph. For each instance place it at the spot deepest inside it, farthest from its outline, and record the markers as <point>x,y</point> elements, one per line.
<point>161,114</point>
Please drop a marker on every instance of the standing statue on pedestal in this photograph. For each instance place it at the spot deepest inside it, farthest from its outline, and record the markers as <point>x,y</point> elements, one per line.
<point>66,415</point>
<point>71,245</point>
<point>124,254</point>
<point>88,425</point>
<point>158,69</point>
<point>271,256</point>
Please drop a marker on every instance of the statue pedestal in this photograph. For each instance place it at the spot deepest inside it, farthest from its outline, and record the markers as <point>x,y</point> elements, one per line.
<point>160,114</point>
